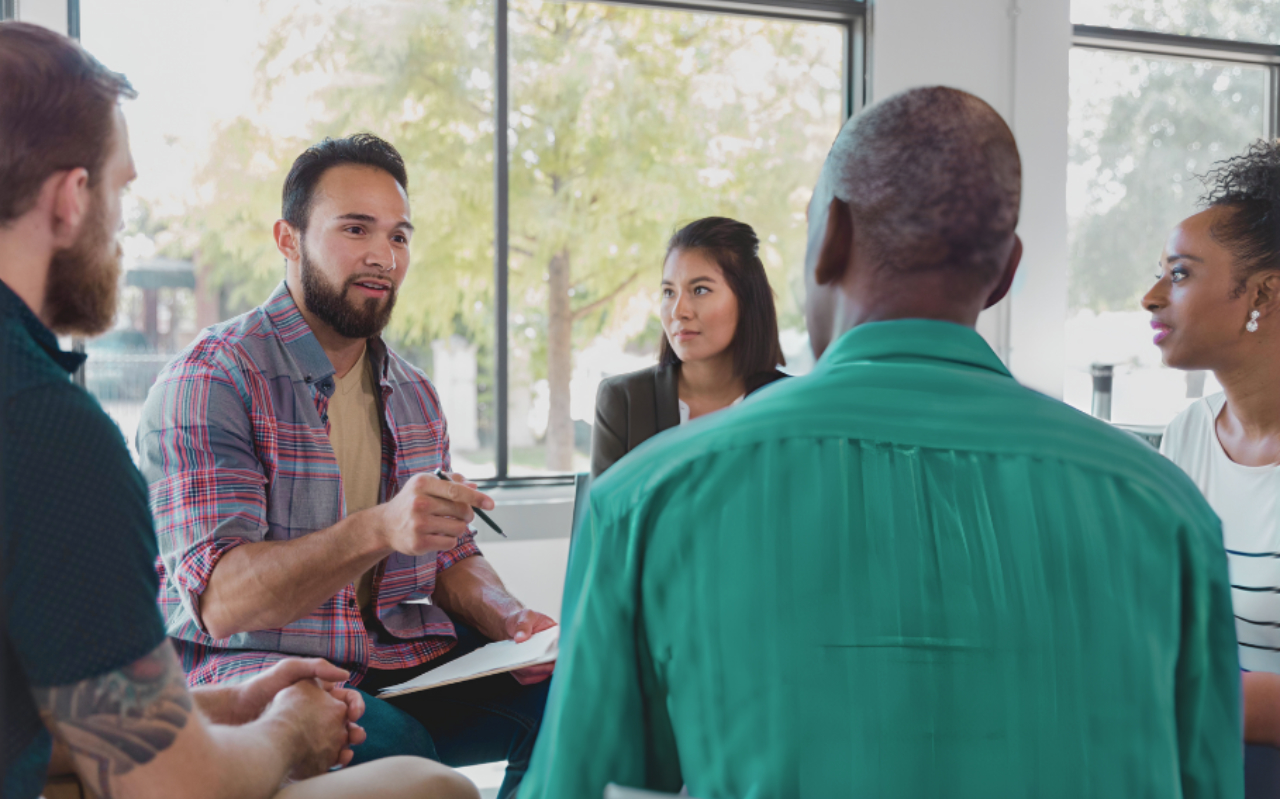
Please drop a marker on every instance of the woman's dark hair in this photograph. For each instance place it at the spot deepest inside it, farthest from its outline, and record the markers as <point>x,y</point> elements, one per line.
<point>1249,186</point>
<point>735,248</point>
<point>361,149</point>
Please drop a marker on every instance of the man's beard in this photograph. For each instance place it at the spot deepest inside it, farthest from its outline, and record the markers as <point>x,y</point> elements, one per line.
<point>84,279</point>
<point>348,318</point>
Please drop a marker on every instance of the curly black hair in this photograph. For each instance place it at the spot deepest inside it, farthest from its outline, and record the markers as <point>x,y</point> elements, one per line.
<point>1249,185</point>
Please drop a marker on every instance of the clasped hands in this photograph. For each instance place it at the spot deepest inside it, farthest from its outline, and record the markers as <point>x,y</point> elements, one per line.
<point>303,695</point>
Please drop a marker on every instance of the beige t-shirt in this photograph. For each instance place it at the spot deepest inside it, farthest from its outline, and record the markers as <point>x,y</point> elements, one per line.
<point>355,432</point>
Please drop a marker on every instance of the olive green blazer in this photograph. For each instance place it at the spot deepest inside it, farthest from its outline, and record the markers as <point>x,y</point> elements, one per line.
<point>632,408</point>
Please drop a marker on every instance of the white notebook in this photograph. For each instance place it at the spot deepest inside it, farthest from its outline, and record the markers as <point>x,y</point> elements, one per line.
<point>495,658</point>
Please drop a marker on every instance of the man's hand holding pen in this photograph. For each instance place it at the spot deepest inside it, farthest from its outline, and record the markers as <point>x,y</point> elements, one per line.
<point>483,516</point>
<point>430,514</point>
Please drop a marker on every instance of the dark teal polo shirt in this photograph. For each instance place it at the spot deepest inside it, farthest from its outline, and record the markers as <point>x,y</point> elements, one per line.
<point>77,546</point>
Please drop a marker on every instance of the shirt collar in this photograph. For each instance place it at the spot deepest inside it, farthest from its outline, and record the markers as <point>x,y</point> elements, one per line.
<point>914,339</point>
<point>304,347</point>
<point>13,305</point>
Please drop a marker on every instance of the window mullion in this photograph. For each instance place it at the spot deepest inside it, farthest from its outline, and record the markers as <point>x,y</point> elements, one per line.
<point>501,208</point>
<point>1273,103</point>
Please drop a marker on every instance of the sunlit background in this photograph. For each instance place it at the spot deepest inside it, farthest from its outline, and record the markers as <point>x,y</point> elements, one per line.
<point>624,124</point>
<point>1142,131</point>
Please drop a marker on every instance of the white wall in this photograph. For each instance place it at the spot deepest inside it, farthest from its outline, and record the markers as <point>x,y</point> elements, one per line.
<point>532,561</point>
<point>49,13</point>
<point>1014,55</point>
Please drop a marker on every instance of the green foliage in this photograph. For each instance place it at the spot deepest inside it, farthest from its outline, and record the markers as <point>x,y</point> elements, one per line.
<point>624,123</point>
<point>230,230</point>
<point>1143,130</point>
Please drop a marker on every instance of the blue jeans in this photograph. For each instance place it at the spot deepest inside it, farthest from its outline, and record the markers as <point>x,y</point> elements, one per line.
<point>1261,772</point>
<point>479,721</point>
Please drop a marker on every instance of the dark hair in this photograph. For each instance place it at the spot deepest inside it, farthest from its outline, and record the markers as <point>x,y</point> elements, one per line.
<point>1248,185</point>
<point>735,248</point>
<point>57,109</point>
<point>933,181</point>
<point>362,149</point>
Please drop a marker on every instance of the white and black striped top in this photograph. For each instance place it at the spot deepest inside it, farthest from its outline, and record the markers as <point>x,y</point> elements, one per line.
<point>1247,499</point>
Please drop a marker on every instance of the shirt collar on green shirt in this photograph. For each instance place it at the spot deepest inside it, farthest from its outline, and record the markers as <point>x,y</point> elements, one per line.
<point>13,306</point>
<point>912,339</point>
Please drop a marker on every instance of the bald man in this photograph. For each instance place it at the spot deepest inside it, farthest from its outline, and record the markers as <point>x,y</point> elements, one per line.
<point>903,575</point>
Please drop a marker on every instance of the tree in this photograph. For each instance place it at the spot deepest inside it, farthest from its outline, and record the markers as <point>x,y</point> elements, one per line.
<point>624,122</point>
<point>1143,129</point>
<point>617,138</point>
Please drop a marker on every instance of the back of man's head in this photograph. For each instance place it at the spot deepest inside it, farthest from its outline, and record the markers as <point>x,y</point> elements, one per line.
<point>57,107</point>
<point>932,179</point>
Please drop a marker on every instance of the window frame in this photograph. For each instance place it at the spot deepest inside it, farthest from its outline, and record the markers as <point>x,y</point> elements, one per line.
<point>849,14</point>
<point>1189,48</point>
<point>1170,45</point>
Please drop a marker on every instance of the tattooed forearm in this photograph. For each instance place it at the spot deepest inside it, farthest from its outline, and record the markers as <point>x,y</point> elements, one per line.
<point>120,720</point>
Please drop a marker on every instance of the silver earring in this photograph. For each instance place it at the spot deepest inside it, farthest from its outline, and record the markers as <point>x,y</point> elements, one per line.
<point>1252,324</point>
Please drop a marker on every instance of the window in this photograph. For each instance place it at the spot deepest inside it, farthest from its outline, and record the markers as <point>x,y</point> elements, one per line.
<point>1148,116</point>
<point>622,122</point>
<point>1240,20</point>
<point>626,123</point>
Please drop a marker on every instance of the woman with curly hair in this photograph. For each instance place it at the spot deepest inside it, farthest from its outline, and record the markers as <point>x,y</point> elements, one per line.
<point>1216,306</point>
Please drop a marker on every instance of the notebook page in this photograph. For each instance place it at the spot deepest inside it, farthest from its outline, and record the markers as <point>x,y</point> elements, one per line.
<point>494,658</point>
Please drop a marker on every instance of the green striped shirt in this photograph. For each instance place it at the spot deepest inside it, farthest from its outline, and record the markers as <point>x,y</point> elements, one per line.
<point>903,575</point>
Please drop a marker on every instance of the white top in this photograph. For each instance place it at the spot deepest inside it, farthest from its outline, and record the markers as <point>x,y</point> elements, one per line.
<point>1246,499</point>
<point>684,409</point>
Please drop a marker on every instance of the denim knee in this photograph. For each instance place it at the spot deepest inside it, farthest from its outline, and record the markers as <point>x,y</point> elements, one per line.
<point>391,732</point>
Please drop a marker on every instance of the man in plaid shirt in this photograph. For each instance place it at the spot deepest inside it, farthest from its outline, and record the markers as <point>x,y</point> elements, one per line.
<point>290,455</point>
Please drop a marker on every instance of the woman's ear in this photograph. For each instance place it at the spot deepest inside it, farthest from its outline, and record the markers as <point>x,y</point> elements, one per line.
<point>1266,294</point>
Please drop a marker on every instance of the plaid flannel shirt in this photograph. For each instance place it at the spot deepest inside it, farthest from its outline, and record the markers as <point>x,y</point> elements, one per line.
<point>234,442</point>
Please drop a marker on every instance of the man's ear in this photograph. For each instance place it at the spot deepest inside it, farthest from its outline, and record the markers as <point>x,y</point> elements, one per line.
<point>69,198</point>
<point>288,240</point>
<point>1010,271</point>
<point>837,244</point>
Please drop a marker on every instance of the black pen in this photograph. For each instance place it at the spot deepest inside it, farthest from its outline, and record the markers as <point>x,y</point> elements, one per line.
<point>440,473</point>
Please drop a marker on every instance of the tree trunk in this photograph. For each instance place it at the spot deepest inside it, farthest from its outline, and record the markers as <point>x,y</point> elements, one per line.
<point>559,363</point>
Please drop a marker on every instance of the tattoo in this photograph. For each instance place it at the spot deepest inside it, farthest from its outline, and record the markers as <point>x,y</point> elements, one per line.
<point>120,720</point>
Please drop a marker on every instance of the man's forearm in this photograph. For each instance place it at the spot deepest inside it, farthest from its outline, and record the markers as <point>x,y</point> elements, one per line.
<point>217,703</point>
<point>266,585</point>
<point>254,759</point>
<point>134,732</point>
<point>471,591</point>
